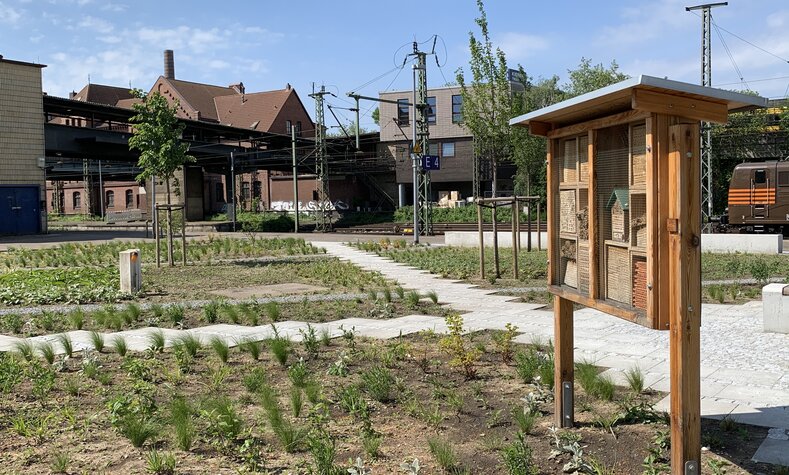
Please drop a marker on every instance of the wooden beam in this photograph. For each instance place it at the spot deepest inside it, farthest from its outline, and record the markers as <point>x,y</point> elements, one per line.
<point>594,291</point>
<point>686,107</point>
<point>553,195</point>
<point>657,214</point>
<point>563,360</point>
<point>540,128</point>
<point>685,295</point>
<point>608,121</point>
<point>616,310</point>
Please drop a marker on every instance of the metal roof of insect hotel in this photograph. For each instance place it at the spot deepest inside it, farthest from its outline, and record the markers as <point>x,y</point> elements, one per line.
<point>639,93</point>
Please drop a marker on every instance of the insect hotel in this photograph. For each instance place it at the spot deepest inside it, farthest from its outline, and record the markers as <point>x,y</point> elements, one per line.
<point>624,224</point>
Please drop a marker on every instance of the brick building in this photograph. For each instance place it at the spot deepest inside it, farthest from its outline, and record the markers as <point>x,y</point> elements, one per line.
<point>22,189</point>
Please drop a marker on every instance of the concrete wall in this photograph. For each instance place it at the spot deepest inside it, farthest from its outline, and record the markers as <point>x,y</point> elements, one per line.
<point>717,243</point>
<point>471,239</point>
<point>747,243</point>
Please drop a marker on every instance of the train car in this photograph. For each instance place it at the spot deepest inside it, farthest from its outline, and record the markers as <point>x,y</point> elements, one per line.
<point>758,198</point>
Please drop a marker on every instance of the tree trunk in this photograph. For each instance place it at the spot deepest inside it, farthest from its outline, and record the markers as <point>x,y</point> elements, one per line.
<point>493,163</point>
<point>170,259</point>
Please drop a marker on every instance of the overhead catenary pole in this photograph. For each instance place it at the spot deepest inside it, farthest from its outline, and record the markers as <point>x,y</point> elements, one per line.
<point>706,130</point>
<point>415,165</point>
<point>295,178</point>
<point>321,163</point>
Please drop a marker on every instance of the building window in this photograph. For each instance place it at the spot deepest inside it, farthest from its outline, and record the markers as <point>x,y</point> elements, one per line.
<point>76,200</point>
<point>431,110</point>
<point>457,109</point>
<point>245,194</point>
<point>110,199</point>
<point>448,149</point>
<point>257,188</point>
<point>432,148</point>
<point>129,199</point>
<point>287,127</point>
<point>298,128</point>
<point>219,191</point>
<point>402,111</point>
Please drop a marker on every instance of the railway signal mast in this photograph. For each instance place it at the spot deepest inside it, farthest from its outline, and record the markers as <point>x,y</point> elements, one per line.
<point>321,164</point>
<point>706,134</point>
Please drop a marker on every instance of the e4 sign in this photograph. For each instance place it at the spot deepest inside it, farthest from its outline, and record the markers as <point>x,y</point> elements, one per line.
<point>431,162</point>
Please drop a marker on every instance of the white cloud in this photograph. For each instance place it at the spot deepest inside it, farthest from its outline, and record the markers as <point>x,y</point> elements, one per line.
<point>658,19</point>
<point>183,37</point>
<point>9,15</point>
<point>218,64</point>
<point>520,46</point>
<point>96,24</point>
<point>114,7</point>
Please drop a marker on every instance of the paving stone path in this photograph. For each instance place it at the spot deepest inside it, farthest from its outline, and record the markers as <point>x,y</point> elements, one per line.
<point>744,371</point>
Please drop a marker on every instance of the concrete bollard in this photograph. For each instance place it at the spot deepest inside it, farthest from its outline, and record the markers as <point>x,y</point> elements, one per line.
<point>131,272</point>
<point>775,305</point>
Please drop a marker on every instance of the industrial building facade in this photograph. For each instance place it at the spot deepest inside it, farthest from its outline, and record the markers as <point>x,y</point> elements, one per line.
<point>22,190</point>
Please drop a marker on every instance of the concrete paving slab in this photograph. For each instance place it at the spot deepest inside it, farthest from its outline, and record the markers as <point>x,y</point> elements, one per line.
<point>774,448</point>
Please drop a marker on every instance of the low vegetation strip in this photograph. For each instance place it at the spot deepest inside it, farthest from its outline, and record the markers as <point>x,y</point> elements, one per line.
<point>106,254</point>
<point>47,286</point>
<point>463,263</point>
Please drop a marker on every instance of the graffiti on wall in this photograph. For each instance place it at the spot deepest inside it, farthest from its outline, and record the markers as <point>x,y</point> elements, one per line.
<point>309,206</point>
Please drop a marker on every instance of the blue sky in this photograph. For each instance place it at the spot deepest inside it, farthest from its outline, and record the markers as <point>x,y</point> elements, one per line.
<point>345,44</point>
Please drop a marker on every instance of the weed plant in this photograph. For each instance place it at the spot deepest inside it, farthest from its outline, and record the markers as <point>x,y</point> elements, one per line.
<point>255,380</point>
<point>60,462</point>
<point>181,419</point>
<point>211,311</point>
<point>280,348</point>
<point>504,342</point>
<point>444,453</point>
<point>517,458</point>
<point>378,382</point>
<point>635,379</point>
<point>66,344</point>
<point>461,356</point>
<point>175,313</point>
<point>220,348</point>
<point>77,318</point>
<point>156,341</point>
<point>309,339</point>
<point>190,343</point>
<point>224,424</point>
<point>138,430</point>
<point>298,374</point>
<point>252,347</point>
<point>273,311</point>
<point>296,401</point>
<point>524,419</point>
<point>119,346</point>
<point>158,463</point>
<point>47,351</point>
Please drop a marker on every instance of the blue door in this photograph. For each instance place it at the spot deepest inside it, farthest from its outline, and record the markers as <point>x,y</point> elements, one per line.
<point>19,211</point>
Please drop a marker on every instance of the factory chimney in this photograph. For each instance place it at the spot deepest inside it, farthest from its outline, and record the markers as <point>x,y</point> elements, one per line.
<point>169,64</point>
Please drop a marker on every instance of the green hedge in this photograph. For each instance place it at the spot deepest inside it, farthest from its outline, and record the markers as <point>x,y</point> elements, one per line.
<point>465,214</point>
<point>265,222</point>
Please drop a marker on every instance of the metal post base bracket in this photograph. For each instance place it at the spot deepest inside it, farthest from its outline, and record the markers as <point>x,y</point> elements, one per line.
<point>691,467</point>
<point>567,404</point>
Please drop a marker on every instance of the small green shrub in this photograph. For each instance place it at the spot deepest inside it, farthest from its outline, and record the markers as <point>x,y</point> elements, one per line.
<point>298,374</point>
<point>255,380</point>
<point>273,312</point>
<point>309,339</point>
<point>175,313</point>
<point>461,356</point>
<point>525,419</point>
<point>504,340</point>
<point>517,458</point>
<point>211,311</point>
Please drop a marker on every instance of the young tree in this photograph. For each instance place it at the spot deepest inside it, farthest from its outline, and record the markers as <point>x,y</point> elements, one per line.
<point>587,78</point>
<point>487,99</point>
<point>157,135</point>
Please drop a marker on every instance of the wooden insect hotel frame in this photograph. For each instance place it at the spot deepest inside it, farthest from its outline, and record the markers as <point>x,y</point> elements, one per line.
<point>624,224</point>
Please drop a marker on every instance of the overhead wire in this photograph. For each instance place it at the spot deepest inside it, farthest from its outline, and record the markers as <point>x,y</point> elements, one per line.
<point>728,53</point>
<point>748,42</point>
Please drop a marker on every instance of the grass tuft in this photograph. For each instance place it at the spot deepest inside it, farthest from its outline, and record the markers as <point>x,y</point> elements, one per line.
<point>220,347</point>
<point>97,340</point>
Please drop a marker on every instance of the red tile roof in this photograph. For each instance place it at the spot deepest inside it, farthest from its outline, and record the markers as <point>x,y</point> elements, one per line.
<point>101,94</point>
<point>201,96</point>
<point>257,111</point>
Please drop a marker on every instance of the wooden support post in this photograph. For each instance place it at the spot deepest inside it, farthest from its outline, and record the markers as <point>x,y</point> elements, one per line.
<point>481,241</point>
<point>183,235</point>
<point>563,361</point>
<point>539,227</point>
<point>684,261</point>
<point>594,243</point>
<point>517,221</point>
<point>552,187</point>
<point>156,224</point>
<point>515,238</point>
<point>528,229</point>
<point>495,241</point>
